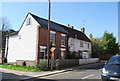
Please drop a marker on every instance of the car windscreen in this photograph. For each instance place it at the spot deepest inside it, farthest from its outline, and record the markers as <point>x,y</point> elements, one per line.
<point>113,65</point>
<point>115,62</point>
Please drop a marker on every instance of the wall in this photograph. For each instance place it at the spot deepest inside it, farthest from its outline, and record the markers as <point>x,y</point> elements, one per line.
<point>106,56</point>
<point>26,62</point>
<point>62,63</point>
<point>88,61</point>
<point>43,41</point>
<point>23,45</point>
<point>71,62</point>
<point>76,45</point>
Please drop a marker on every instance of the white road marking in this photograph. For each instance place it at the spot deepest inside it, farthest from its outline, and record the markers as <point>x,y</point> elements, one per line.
<point>88,76</point>
<point>55,74</point>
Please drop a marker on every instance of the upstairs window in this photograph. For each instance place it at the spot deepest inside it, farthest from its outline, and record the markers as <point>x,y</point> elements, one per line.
<point>72,41</point>
<point>28,22</point>
<point>81,43</point>
<point>63,42</point>
<point>88,46</point>
<point>52,38</point>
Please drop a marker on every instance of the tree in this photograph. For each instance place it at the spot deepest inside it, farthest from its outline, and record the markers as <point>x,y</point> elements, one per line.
<point>96,47</point>
<point>4,30</point>
<point>5,24</point>
<point>105,44</point>
<point>109,43</point>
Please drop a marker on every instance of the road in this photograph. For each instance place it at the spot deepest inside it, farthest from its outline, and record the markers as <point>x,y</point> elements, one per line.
<point>85,73</point>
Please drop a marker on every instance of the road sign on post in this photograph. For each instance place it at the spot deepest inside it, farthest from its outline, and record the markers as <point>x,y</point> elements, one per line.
<point>51,55</point>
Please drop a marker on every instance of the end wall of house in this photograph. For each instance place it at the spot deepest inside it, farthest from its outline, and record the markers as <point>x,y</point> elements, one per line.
<point>23,45</point>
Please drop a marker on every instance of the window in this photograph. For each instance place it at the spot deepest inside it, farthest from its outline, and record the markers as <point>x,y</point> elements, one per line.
<point>88,46</point>
<point>52,38</point>
<point>81,43</point>
<point>62,54</point>
<point>63,42</point>
<point>76,36</point>
<point>43,53</point>
<point>28,22</point>
<point>72,41</point>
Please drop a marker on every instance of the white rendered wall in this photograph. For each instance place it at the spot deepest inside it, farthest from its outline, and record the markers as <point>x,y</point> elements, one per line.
<point>76,45</point>
<point>23,45</point>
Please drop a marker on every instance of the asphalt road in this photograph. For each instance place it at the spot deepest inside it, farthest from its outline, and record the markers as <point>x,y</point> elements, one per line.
<point>85,73</point>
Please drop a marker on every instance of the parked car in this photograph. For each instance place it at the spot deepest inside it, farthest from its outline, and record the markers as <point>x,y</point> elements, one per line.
<point>111,69</point>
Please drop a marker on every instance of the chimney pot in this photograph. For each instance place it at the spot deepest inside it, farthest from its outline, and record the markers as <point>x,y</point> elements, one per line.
<point>70,26</point>
<point>83,30</point>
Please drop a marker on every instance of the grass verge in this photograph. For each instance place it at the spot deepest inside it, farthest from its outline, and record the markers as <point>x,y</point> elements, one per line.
<point>22,68</point>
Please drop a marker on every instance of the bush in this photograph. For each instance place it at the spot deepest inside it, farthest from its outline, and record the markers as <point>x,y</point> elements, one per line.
<point>43,66</point>
<point>7,64</point>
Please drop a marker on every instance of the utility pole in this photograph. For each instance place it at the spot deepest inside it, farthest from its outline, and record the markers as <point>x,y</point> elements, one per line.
<point>48,36</point>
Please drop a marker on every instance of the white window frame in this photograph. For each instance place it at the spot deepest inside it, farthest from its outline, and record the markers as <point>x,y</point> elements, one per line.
<point>62,44</point>
<point>72,41</point>
<point>88,46</point>
<point>63,53</point>
<point>42,49</point>
<point>28,22</point>
<point>81,43</point>
<point>51,32</point>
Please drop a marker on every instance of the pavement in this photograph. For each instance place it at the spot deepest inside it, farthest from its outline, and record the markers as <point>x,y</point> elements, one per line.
<point>18,75</point>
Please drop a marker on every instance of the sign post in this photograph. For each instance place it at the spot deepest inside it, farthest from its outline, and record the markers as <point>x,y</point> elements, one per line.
<point>52,56</point>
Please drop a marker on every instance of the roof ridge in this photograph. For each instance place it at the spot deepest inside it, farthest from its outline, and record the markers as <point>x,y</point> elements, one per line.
<point>56,23</point>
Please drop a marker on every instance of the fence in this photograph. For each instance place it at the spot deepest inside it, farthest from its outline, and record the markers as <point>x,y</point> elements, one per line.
<point>60,63</point>
<point>106,56</point>
<point>63,63</point>
<point>88,61</point>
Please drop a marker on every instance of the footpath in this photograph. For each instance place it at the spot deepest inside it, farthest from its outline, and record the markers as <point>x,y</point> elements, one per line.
<point>10,75</point>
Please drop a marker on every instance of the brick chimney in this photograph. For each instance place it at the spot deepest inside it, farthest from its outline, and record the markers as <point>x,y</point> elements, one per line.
<point>83,30</point>
<point>91,37</point>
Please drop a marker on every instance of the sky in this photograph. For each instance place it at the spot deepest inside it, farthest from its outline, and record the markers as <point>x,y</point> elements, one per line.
<point>96,17</point>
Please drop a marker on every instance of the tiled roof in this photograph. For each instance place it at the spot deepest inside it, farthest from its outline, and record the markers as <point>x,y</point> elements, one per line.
<point>53,26</point>
<point>58,27</point>
<point>77,34</point>
<point>13,33</point>
<point>61,28</point>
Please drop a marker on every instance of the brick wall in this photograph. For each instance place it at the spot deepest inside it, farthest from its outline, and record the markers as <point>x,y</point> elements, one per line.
<point>26,63</point>
<point>106,56</point>
<point>43,41</point>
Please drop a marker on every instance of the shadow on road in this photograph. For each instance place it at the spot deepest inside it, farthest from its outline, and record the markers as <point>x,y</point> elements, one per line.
<point>12,77</point>
<point>64,80</point>
<point>94,67</point>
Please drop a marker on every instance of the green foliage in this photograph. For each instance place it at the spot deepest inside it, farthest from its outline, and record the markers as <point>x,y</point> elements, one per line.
<point>73,55</point>
<point>109,43</point>
<point>22,68</point>
<point>96,47</point>
<point>106,45</point>
<point>43,66</point>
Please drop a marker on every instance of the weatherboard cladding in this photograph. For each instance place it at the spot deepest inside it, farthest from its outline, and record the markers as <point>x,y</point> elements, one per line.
<point>58,27</point>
